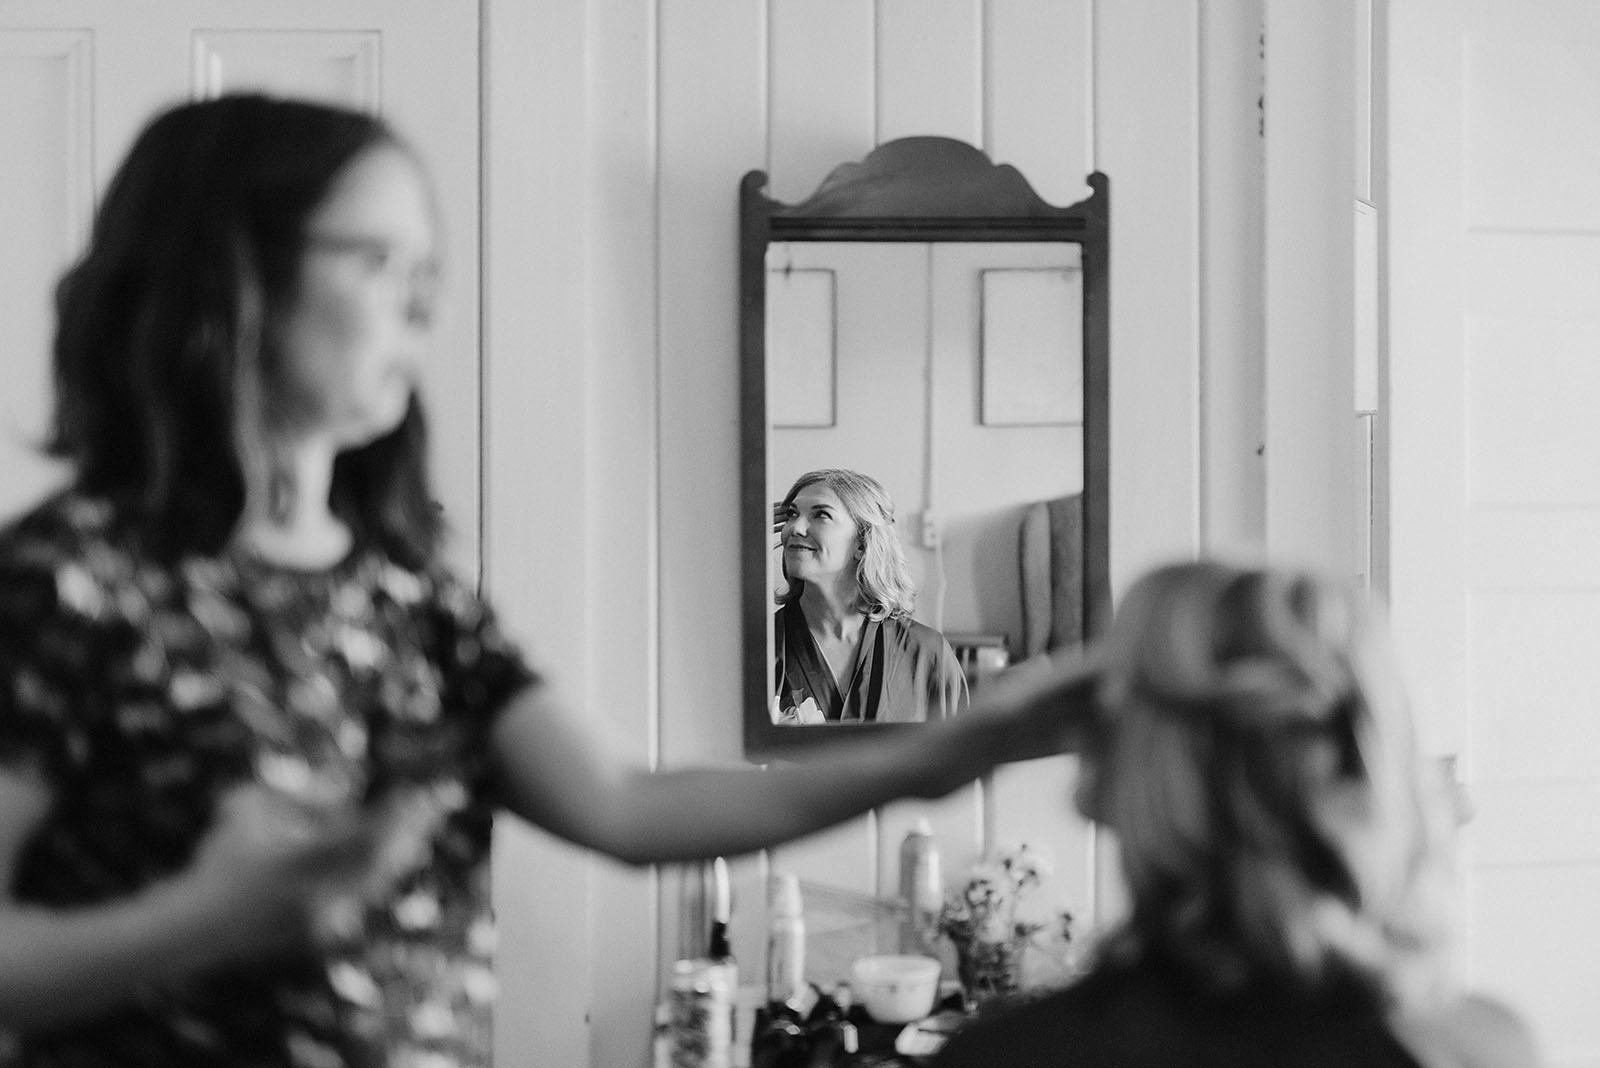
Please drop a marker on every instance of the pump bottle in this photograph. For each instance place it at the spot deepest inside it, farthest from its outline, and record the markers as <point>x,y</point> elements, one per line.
<point>921,890</point>
<point>786,943</point>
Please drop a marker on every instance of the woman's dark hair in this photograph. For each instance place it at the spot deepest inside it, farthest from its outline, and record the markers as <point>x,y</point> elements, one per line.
<point>161,326</point>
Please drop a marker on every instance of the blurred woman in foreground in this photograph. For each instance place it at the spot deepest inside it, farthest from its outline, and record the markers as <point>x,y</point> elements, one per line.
<point>1286,853</point>
<point>253,730</point>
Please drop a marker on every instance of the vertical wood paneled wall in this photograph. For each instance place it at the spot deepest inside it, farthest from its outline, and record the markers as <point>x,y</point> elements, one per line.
<point>616,136</point>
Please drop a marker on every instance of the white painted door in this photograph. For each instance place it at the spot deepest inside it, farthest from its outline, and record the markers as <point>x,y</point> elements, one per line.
<point>79,77</point>
<point>1494,250</point>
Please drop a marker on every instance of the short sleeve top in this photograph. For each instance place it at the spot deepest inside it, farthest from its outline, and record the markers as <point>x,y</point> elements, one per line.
<point>144,690</point>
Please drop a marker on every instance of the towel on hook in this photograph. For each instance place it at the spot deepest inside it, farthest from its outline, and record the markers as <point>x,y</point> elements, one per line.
<point>1051,564</point>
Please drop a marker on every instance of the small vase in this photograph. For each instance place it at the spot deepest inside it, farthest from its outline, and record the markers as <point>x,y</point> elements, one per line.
<point>989,969</point>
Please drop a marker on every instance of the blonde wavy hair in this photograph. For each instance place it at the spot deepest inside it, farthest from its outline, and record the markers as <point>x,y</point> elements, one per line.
<point>883,579</point>
<point>1256,759</point>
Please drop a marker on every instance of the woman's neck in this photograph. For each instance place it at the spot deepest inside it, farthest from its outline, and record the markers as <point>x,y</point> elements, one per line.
<point>288,518</point>
<point>831,612</point>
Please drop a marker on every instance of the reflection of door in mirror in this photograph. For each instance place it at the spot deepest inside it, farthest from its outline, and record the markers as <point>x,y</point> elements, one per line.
<point>952,373</point>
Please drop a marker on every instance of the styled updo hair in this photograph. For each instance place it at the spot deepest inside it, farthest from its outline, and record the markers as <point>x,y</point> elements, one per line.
<point>883,579</point>
<point>1255,758</point>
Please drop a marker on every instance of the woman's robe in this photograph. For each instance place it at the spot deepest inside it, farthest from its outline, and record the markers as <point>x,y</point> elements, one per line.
<point>904,672</point>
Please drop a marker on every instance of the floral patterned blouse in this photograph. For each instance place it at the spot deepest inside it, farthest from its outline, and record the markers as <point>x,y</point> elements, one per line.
<point>145,691</point>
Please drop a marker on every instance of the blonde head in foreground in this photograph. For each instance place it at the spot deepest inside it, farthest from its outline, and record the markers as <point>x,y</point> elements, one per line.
<point>1255,759</point>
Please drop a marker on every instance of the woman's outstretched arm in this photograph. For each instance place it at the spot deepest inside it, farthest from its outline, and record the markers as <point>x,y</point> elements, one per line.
<point>558,773</point>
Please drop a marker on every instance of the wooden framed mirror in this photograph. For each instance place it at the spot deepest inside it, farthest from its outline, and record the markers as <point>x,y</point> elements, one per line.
<point>924,318</point>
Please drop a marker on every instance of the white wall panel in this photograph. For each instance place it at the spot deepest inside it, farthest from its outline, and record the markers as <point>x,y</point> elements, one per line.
<point>1533,547</point>
<point>45,110</point>
<point>711,128</point>
<point>1367,340</point>
<point>1231,275</point>
<point>1516,634</point>
<point>1365,84</point>
<point>1515,953</point>
<point>1544,275</point>
<point>1513,828</point>
<point>1427,259</point>
<point>1146,78</point>
<point>1309,280</point>
<point>1512,80</point>
<point>538,536</point>
<point>1146,87</point>
<point>820,58</point>
<point>1041,50</point>
<point>622,403</point>
<point>328,64</point>
<point>929,58</point>
<point>1520,371</point>
<point>1493,327</point>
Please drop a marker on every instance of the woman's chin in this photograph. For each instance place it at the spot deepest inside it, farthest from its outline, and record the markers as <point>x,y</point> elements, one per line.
<point>377,422</point>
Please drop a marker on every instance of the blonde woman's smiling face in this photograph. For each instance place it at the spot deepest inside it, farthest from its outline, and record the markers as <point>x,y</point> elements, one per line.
<point>820,540</point>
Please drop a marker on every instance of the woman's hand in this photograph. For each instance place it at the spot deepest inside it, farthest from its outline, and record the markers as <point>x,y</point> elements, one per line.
<point>277,875</point>
<point>273,876</point>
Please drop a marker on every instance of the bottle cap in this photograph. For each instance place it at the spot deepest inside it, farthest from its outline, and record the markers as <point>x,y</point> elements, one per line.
<point>922,826</point>
<point>721,892</point>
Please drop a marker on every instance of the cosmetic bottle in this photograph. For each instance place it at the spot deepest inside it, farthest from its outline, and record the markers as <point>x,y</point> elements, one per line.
<point>921,890</point>
<point>786,943</point>
<point>718,951</point>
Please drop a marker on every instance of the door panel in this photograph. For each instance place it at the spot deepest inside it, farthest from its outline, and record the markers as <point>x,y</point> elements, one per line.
<point>45,193</point>
<point>322,63</point>
<point>1494,253</point>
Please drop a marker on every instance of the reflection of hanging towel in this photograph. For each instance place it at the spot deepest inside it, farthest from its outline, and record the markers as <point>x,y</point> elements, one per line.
<point>1051,559</point>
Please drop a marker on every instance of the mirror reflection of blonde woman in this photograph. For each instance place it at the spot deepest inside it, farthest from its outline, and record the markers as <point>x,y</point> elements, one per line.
<point>1286,853</point>
<point>847,648</point>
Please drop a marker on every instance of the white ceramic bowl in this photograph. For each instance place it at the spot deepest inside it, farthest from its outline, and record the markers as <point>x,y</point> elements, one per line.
<point>895,989</point>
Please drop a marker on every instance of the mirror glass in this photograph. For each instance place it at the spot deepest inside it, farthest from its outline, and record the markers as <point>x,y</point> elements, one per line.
<point>925,320</point>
